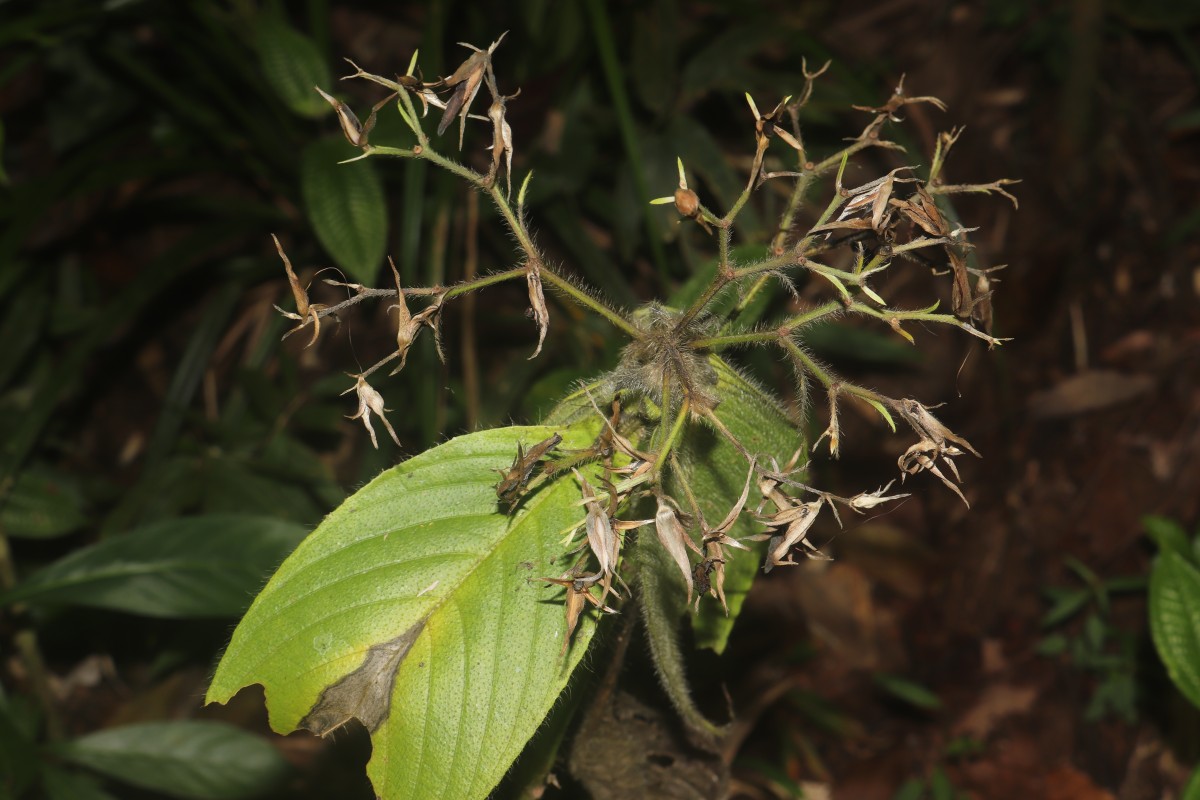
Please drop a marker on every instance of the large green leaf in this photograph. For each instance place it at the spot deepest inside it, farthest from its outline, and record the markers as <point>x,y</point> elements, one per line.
<point>1175,621</point>
<point>200,567</point>
<point>203,760</point>
<point>293,65</point>
<point>415,608</point>
<point>346,206</point>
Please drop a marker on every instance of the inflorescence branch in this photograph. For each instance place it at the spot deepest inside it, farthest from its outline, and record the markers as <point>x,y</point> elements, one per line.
<point>663,386</point>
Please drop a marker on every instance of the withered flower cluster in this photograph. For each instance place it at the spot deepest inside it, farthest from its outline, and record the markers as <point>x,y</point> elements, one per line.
<point>665,387</point>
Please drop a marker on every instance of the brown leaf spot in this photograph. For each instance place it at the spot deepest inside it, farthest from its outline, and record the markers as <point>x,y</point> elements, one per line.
<point>366,693</point>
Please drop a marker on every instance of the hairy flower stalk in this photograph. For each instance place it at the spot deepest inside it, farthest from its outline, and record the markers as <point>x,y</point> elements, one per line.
<point>664,391</point>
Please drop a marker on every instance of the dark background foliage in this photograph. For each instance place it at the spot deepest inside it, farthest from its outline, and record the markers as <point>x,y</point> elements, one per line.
<point>146,158</point>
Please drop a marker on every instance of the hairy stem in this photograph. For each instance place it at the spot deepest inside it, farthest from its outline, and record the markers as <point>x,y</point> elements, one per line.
<point>664,451</point>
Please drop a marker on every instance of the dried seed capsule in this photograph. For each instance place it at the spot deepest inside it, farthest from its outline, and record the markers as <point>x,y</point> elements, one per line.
<point>687,203</point>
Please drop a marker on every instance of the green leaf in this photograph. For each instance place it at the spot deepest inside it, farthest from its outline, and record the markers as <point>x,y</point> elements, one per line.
<point>1053,645</point>
<point>293,65</point>
<point>346,206</point>
<point>903,689</point>
<point>1067,602</point>
<point>43,504</point>
<point>940,786</point>
<point>193,759</point>
<point>201,567</point>
<point>1175,621</point>
<point>717,473</point>
<point>420,599</point>
<point>1169,536</point>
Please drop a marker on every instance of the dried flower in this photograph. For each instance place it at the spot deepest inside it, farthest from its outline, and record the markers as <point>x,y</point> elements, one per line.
<point>867,500</point>
<point>406,327</point>
<point>355,132</point>
<point>537,303</point>
<point>798,520</point>
<point>602,539</point>
<point>675,541</point>
<point>466,81</point>
<point>578,592</point>
<point>370,402</point>
<point>937,441</point>
<point>304,309</point>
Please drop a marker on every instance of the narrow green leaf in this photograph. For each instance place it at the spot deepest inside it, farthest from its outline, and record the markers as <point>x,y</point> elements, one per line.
<point>903,689</point>
<point>206,566</point>
<point>1169,535</point>
<point>940,786</point>
<point>190,371</point>
<point>346,206</point>
<point>293,65</point>
<point>192,759</point>
<point>1066,603</point>
<point>1175,621</point>
<point>1052,645</point>
<point>420,579</point>
<point>883,412</point>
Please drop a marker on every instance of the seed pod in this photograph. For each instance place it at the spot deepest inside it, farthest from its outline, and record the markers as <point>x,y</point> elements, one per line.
<point>687,203</point>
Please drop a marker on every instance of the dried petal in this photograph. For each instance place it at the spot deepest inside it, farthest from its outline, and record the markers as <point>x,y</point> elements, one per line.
<point>537,303</point>
<point>371,401</point>
<point>578,593</point>
<point>406,326</point>
<point>304,309</point>
<point>868,500</point>
<point>602,539</point>
<point>351,127</point>
<point>466,81</point>
<point>803,517</point>
<point>502,145</point>
<point>672,536</point>
<point>929,427</point>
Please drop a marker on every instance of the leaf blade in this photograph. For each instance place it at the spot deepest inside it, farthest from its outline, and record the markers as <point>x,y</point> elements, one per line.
<point>190,758</point>
<point>292,65</point>
<point>207,566</point>
<point>346,206</point>
<point>425,544</point>
<point>1175,621</point>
